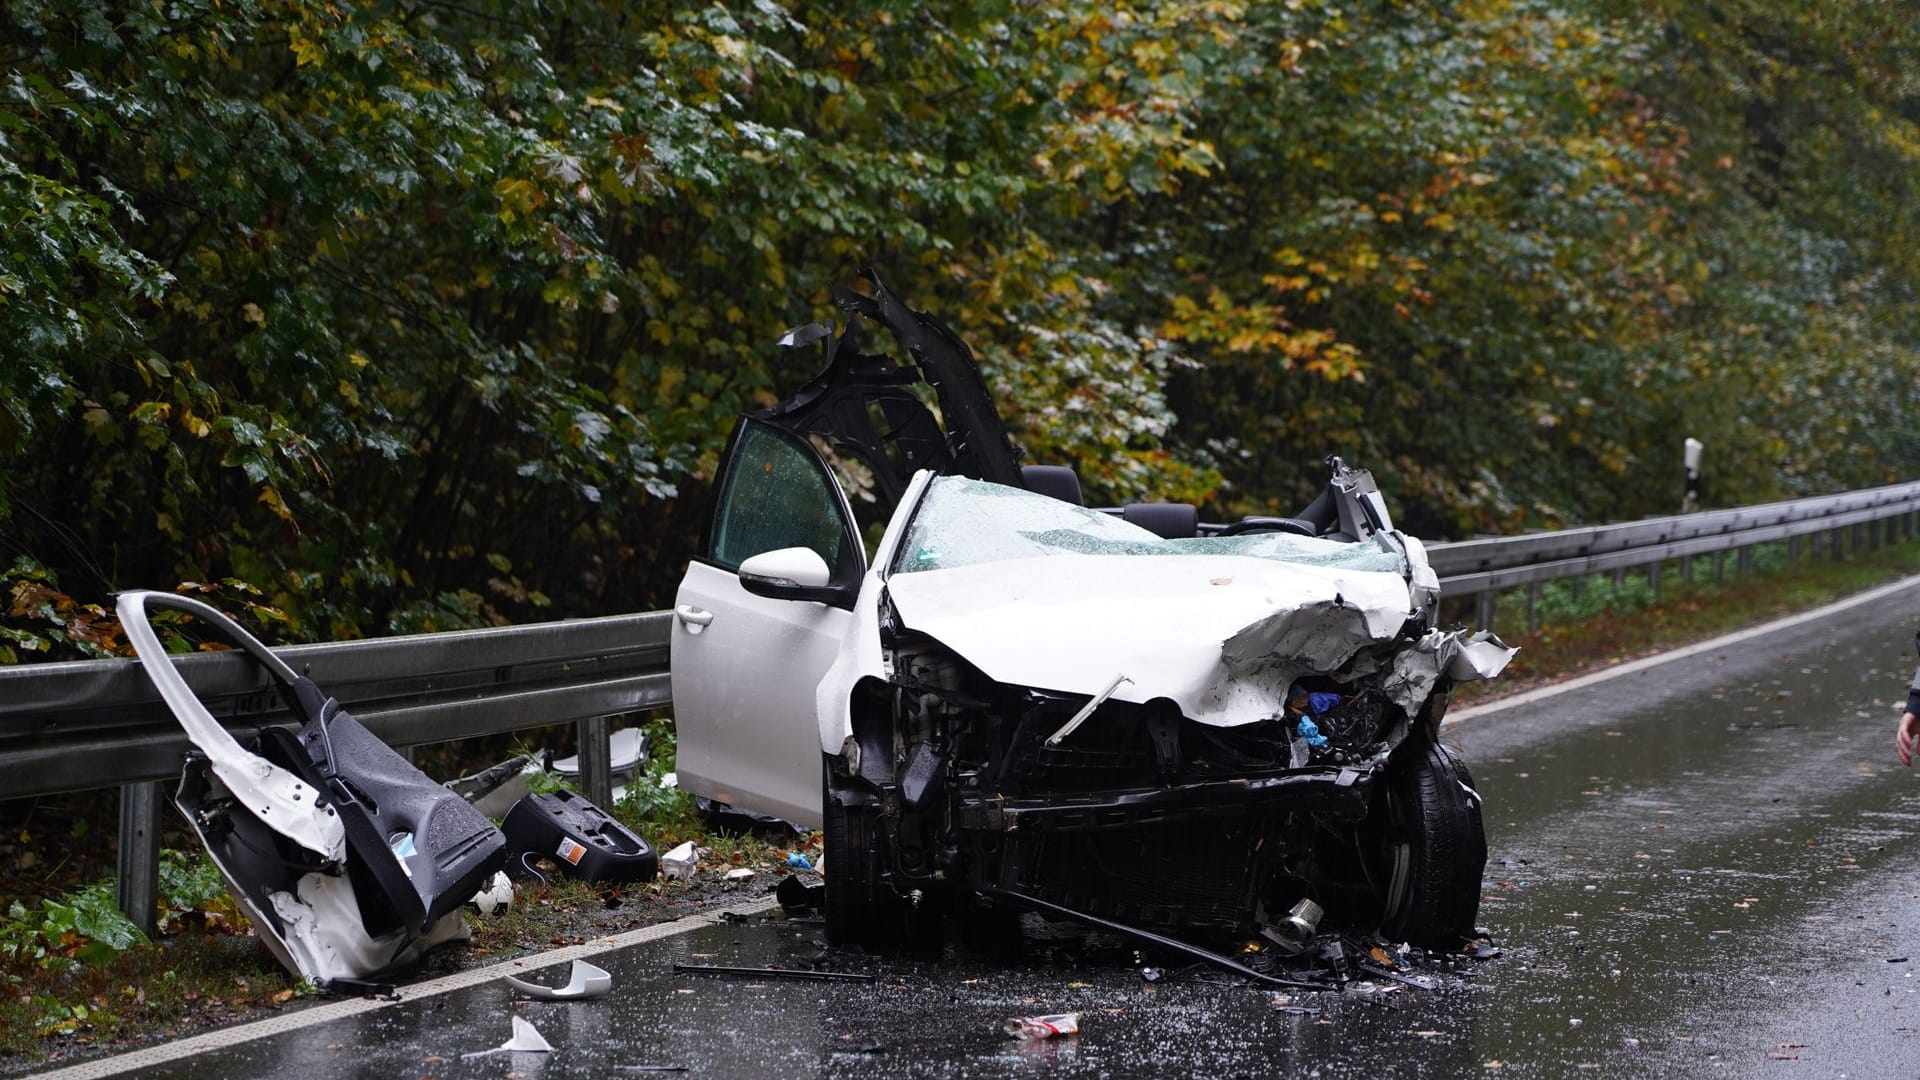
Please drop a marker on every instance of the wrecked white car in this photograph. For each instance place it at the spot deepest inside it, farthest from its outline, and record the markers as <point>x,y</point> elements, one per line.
<point>1011,700</point>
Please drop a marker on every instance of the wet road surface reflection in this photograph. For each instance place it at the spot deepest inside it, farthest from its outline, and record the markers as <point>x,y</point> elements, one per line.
<point>1706,869</point>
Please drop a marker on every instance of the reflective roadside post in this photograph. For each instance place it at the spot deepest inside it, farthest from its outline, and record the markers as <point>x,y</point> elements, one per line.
<point>1691,500</point>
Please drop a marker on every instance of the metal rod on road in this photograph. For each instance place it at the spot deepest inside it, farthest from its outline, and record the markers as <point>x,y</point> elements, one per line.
<point>772,973</point>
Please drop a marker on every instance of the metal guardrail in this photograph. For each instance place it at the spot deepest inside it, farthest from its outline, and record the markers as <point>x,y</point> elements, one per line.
<point>99,724</point>
<point>1482,568</point>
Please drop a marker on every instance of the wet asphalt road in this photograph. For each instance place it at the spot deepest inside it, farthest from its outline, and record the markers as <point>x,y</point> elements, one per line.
<point>1706,869</point>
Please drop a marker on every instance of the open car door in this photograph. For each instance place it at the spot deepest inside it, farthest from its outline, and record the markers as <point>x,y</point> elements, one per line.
<point>761,615</point>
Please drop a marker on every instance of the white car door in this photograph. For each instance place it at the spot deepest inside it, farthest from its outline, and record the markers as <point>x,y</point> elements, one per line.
<point>745,667</point>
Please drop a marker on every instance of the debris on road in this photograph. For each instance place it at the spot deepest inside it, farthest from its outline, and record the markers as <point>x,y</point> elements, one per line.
<point>798,861</point>
<point>797,896</point>
<point>495,897</point>
<point>584,981</point>
<point>526,1040</point>
<point>771,973</point>
<point>1042,1027</point>
<point>740,873</point>
<point>680,862</point>
<point>583,840</point>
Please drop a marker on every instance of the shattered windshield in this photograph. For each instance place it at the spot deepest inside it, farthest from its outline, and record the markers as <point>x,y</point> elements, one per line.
<point>963,522</point>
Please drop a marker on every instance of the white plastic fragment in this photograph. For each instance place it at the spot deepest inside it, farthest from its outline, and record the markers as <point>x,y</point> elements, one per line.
<point>740,873</point>
<point>495,895</point>
<point>583,981</point>
<point>526,1040</point>
<point>679,862</point>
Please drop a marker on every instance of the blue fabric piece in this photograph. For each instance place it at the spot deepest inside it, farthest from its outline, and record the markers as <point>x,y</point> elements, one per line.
<point>1320,703</point>
<point>798,861</point>
<point>1310,731</point>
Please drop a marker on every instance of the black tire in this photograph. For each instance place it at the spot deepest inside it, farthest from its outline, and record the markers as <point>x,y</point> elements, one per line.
<point>1435,847</point>
<point>852,872</point>
<point>861,908</point>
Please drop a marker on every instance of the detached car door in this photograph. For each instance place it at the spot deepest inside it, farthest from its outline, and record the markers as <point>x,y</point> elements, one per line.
<point>745,667</point>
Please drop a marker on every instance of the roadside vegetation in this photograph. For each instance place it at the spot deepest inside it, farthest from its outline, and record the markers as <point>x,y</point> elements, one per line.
<point>398,316</point>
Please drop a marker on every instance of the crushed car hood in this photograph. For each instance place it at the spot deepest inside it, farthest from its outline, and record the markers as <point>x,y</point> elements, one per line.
<point>1221,636</point>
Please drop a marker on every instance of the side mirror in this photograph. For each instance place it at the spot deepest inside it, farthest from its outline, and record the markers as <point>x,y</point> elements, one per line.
<point>794,573</point>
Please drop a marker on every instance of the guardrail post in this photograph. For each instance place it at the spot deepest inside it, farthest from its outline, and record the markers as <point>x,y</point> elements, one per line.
<point>1653,579</point>
<point>137,884</point>
<point>1743,561</point>
<point>1686,568</point>
<point>1533,608</point>
<point>1837,543</point>
<point>1793,549</point>
<point>1719,567</point>
<point>1483,610</point>
<point>596,766</point>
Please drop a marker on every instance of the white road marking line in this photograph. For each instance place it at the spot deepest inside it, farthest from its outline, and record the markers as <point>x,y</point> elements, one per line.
<point>221,1038</point>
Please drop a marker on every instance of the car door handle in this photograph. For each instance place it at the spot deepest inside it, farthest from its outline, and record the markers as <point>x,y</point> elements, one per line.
<point>693,616</point>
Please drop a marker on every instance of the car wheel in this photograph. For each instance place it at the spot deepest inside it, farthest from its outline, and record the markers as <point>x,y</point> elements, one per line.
<point>1434,849</point>
<point>852,871</point>
<point>861,909</point>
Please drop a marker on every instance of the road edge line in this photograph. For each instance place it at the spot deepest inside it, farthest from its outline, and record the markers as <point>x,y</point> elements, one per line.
<point>1455,719</point>
<point>221,1038</point>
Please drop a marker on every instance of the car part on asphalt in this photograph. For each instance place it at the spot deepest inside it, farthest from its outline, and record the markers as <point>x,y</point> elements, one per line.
<point>584,841</point>
<point>772,973</point>
<point>797,897</point>
<point>1017,696</point>
<point>526,1039</point>
<point>583,981</point>
<point>1143,937</point>
<point>347,859</point>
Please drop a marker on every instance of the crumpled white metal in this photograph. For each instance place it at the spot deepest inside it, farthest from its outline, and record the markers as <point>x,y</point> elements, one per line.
<point>273,794</point>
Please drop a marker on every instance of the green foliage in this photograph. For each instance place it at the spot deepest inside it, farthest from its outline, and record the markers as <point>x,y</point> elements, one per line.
<point>422,316</point>
<point>648,805</point>
<point>83,927</point>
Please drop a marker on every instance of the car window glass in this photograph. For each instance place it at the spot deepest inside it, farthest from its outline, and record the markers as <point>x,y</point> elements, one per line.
<point>962,522</point>
<point>776,496</point>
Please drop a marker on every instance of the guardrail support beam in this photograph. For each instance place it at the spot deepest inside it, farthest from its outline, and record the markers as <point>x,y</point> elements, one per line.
<point>1483,611</point>
<point>137,883</point>
<point>1653,579</point>
<point>596,766</point>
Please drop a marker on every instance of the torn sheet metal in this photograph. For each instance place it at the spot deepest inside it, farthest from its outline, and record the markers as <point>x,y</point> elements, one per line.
<point>265,789</point>
<point>347,859</point>
<point>583,981</point>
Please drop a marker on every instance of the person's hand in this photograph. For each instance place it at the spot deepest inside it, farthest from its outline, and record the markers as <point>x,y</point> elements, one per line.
<point>1908,738</point>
